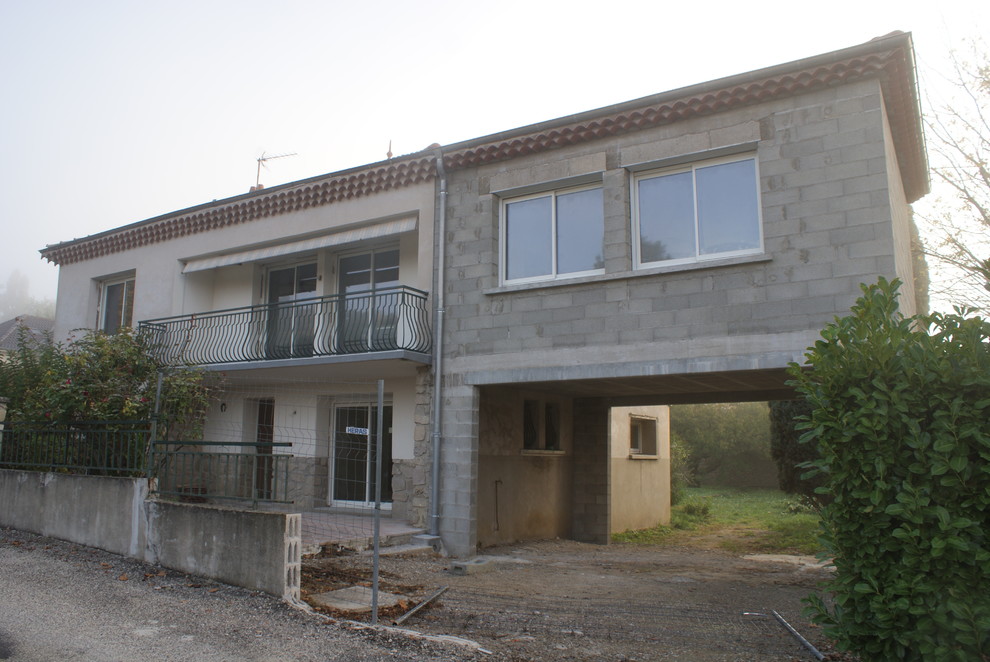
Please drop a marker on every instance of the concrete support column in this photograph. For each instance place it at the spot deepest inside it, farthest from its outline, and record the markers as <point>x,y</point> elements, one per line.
<point>459,468</point>
<point>591,472</point>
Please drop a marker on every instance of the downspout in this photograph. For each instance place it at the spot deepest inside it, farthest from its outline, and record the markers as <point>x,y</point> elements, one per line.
<point>438,351</point>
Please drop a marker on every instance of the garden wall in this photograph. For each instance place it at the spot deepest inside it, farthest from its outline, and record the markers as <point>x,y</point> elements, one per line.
<point>256,550</point>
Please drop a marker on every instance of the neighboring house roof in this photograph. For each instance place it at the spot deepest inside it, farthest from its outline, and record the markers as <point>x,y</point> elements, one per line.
<point>889,59</point>
<point>36,326</point>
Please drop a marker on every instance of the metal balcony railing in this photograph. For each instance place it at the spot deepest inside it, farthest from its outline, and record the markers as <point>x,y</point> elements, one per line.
<point>376,321</point>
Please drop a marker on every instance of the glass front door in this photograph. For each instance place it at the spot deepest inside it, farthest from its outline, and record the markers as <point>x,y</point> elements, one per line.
<point>368,319</point>
<point>291,323</point>
<point>354,443</point>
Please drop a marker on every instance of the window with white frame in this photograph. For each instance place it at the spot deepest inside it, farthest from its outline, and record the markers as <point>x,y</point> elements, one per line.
<point>117,304</point>
<point>696,212</point>
<point>553,235</point>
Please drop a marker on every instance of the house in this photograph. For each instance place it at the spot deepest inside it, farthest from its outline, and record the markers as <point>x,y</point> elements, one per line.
<point>304,296</point>
<point>593,269</point>
<point>10,331</point>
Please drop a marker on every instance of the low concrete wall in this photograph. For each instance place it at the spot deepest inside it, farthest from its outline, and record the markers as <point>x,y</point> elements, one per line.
<point>253,549</point>
<point>90,510</point>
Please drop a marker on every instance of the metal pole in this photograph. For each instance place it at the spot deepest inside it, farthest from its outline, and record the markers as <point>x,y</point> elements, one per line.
<point>437,436</point>
<point>153,436</point>
<point>379,444</point>
<point>797,635</point>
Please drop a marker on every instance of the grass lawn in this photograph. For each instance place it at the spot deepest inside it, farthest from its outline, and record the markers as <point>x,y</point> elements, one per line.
<point>741,521</point>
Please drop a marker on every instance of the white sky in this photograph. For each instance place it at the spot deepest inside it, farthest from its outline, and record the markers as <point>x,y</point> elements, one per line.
<point>114,112</point>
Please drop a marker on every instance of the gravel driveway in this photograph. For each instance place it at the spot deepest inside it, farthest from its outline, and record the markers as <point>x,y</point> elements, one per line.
<point>549,601</point>
<point>562,600</point>
<point>60,601</point>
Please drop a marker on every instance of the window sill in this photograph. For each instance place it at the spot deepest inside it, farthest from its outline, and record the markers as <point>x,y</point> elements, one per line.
<point>540,452</point>
<point>630,274</point>
<point>643,456</point>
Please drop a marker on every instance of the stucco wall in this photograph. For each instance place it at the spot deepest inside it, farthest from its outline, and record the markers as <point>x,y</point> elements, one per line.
<point>640,494</point>
<point>161,289</point>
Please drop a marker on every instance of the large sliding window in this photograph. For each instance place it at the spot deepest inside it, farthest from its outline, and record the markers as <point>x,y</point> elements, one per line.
<point>697,212</point>
<point>369,315</point>
<point>553,235</point>
<point>291,321</point>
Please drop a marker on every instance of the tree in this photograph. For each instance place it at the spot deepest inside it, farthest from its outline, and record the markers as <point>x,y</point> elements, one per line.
<point>100,377</point>
<point>900,414</point>
<point>958,222</point>
<point>722,439</point>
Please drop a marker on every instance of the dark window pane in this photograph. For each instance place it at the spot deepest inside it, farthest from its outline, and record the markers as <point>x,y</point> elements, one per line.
<point>118,306</point>
<point>531,424</point>
<point>552,428</point>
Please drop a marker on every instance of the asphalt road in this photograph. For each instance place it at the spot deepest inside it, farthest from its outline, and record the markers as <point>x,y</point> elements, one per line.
<point>60,601</point>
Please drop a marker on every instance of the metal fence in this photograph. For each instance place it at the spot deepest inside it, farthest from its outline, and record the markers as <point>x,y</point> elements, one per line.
<point>192,470</point>
<point>242,471</point>
<point>102,448</point>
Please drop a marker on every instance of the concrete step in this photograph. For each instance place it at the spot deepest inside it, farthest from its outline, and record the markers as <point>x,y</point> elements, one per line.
<point>407,542</point>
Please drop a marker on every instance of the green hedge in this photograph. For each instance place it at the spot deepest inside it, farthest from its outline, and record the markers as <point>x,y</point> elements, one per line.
<point>901,416</point>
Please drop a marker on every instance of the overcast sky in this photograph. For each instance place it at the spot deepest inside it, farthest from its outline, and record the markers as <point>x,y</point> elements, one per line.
<point>114,112</point>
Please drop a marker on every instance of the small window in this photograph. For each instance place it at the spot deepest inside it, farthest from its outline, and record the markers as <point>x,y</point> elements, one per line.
<point>541,426</point>
<point>697,212</point>
<point>642,436</point>
<point>553,235</point>
<point>117,305</point>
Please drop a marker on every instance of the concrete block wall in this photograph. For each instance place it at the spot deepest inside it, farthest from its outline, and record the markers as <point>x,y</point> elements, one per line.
<point>591,515</point>
<point>828,222</point>
<point>459,468</point>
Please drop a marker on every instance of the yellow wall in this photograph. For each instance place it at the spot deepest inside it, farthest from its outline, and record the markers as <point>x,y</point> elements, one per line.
<point>640,484</point>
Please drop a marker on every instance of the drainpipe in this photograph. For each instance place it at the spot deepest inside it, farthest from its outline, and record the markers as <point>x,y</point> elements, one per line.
<point>438,351</point>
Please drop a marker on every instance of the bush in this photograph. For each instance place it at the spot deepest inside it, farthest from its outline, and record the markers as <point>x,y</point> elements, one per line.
<point>790,455</point>
<point>901,415</point>
<point>100,377</point>
<point>680,470</point>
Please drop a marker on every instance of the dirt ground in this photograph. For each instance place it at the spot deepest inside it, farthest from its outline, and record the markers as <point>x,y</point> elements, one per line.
<point>563,600</point>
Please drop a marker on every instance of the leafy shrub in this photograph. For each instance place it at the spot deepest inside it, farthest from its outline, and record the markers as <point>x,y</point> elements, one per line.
<point>680,470</point>
<point>789,454</point>
<point>901,415</point>
<point>101,377</point>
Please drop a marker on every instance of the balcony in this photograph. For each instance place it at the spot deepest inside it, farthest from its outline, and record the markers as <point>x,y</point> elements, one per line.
<point>384,320</point>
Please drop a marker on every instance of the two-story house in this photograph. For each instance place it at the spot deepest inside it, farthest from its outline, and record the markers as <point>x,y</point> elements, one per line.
<point>303,295</point>
<point>679,248</point>
<point>564,281</point>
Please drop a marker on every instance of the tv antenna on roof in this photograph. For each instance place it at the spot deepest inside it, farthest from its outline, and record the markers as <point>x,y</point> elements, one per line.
<point>261,162</point>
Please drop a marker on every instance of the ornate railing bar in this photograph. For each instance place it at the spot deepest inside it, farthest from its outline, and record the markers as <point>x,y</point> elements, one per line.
<point>375,321</point>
